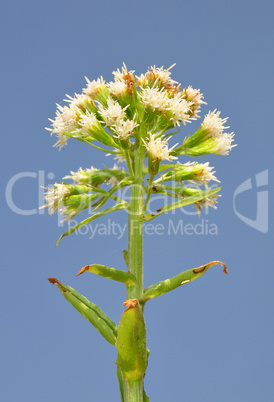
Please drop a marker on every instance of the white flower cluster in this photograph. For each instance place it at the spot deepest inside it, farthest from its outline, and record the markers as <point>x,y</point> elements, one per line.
<point>65,121</point>
<point>93,86</point>
<point>214,126</point>
<point>87,121</point>
<point>158,99</point>
<point>210,201</point>
<point>158,150</point>
<point>54,197</point>
<point>153,100</point>
<point>119,87</point>
<point>203,172</point>
<point>114,116</point>
<point>136,116</point>
<point>80,175</point>
<point>159,75</point>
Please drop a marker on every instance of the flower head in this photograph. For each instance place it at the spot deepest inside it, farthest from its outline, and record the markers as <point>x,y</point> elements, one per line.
<point>66,120</point>
<point>213,125</point>
<point>202,172</point>
<point>194,97</point>
<point>155,99</point>
<point>97,90</point>
<point>159,77</point>
<point>223,144</point>
<point>93,86</point>
<point>88,123</point>
<point>122,75</point>
<point>210,201</point>
<point>123,84</point>
<point>117,88</point>
<point>179,108</point>
<point>80,177</point>
<point>113,113</point>
<point>158,149</point>
<point>81,101</point>
<point>124,129</point>
<point>54,197</point>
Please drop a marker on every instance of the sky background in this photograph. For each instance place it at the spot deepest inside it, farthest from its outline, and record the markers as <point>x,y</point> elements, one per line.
<point>210,340</point>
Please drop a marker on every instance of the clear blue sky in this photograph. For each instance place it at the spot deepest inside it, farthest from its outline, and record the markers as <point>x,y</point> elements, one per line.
<point>211,340</point>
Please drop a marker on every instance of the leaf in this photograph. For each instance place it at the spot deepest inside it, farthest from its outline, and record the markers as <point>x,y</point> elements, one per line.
<point>185,201</point>
<point>145,397</point>
<point>163,287</point>
<point>121,383</point>
<point>90,311</point>
<point>110,273</point>
<point>123,183</point>
<point>164,167</point>
<point>116,207</point>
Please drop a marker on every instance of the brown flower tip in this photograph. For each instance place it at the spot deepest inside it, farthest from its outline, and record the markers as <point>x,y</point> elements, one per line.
<point>131,303</point>
<point>225,269</point>
<point>82,270</point>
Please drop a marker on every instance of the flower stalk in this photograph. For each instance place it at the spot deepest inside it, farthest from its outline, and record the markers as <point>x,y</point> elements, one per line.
<point>133,119</point>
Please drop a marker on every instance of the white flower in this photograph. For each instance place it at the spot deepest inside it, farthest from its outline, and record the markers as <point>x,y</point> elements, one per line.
<point>203,172</point>
<point>155,98</point>
<point>207,202</point>
<point>80,175</point>
<point>158,148</point>
<point>195,97</point>
<point>120,76</point>
<point>117,88</point>
<point>213,124</point>
<point>54,197</point>
<point>113,113</point>
<point>163,75</point>
<point>179,108</point>
<point>78,101</point>
<point>93,86</point>
<point>223,144</point>
<point>87,122</point>
<point>123,129</point>
<point>66,120</point>
<point>157,74</point>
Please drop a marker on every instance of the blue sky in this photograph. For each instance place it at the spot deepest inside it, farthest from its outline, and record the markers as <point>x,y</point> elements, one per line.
<point>211,340</point>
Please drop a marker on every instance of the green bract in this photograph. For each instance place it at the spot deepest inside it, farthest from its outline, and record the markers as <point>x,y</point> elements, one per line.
<point>131,342</point>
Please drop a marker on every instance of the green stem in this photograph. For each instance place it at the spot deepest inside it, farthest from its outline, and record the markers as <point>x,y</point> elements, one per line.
<point>129,163</point>
<point>135,227</point>
<point>133,391</point>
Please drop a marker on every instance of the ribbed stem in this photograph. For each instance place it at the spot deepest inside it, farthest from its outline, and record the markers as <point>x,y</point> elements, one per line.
<point>133,389</point>
<point>135,228</point>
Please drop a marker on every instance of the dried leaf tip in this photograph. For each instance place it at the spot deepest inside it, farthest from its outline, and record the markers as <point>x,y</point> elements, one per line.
<point>131,303</point>
<point>82,270</point>
<point>210,264</point>
<point>199,269</point>
<point>54,281</point>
